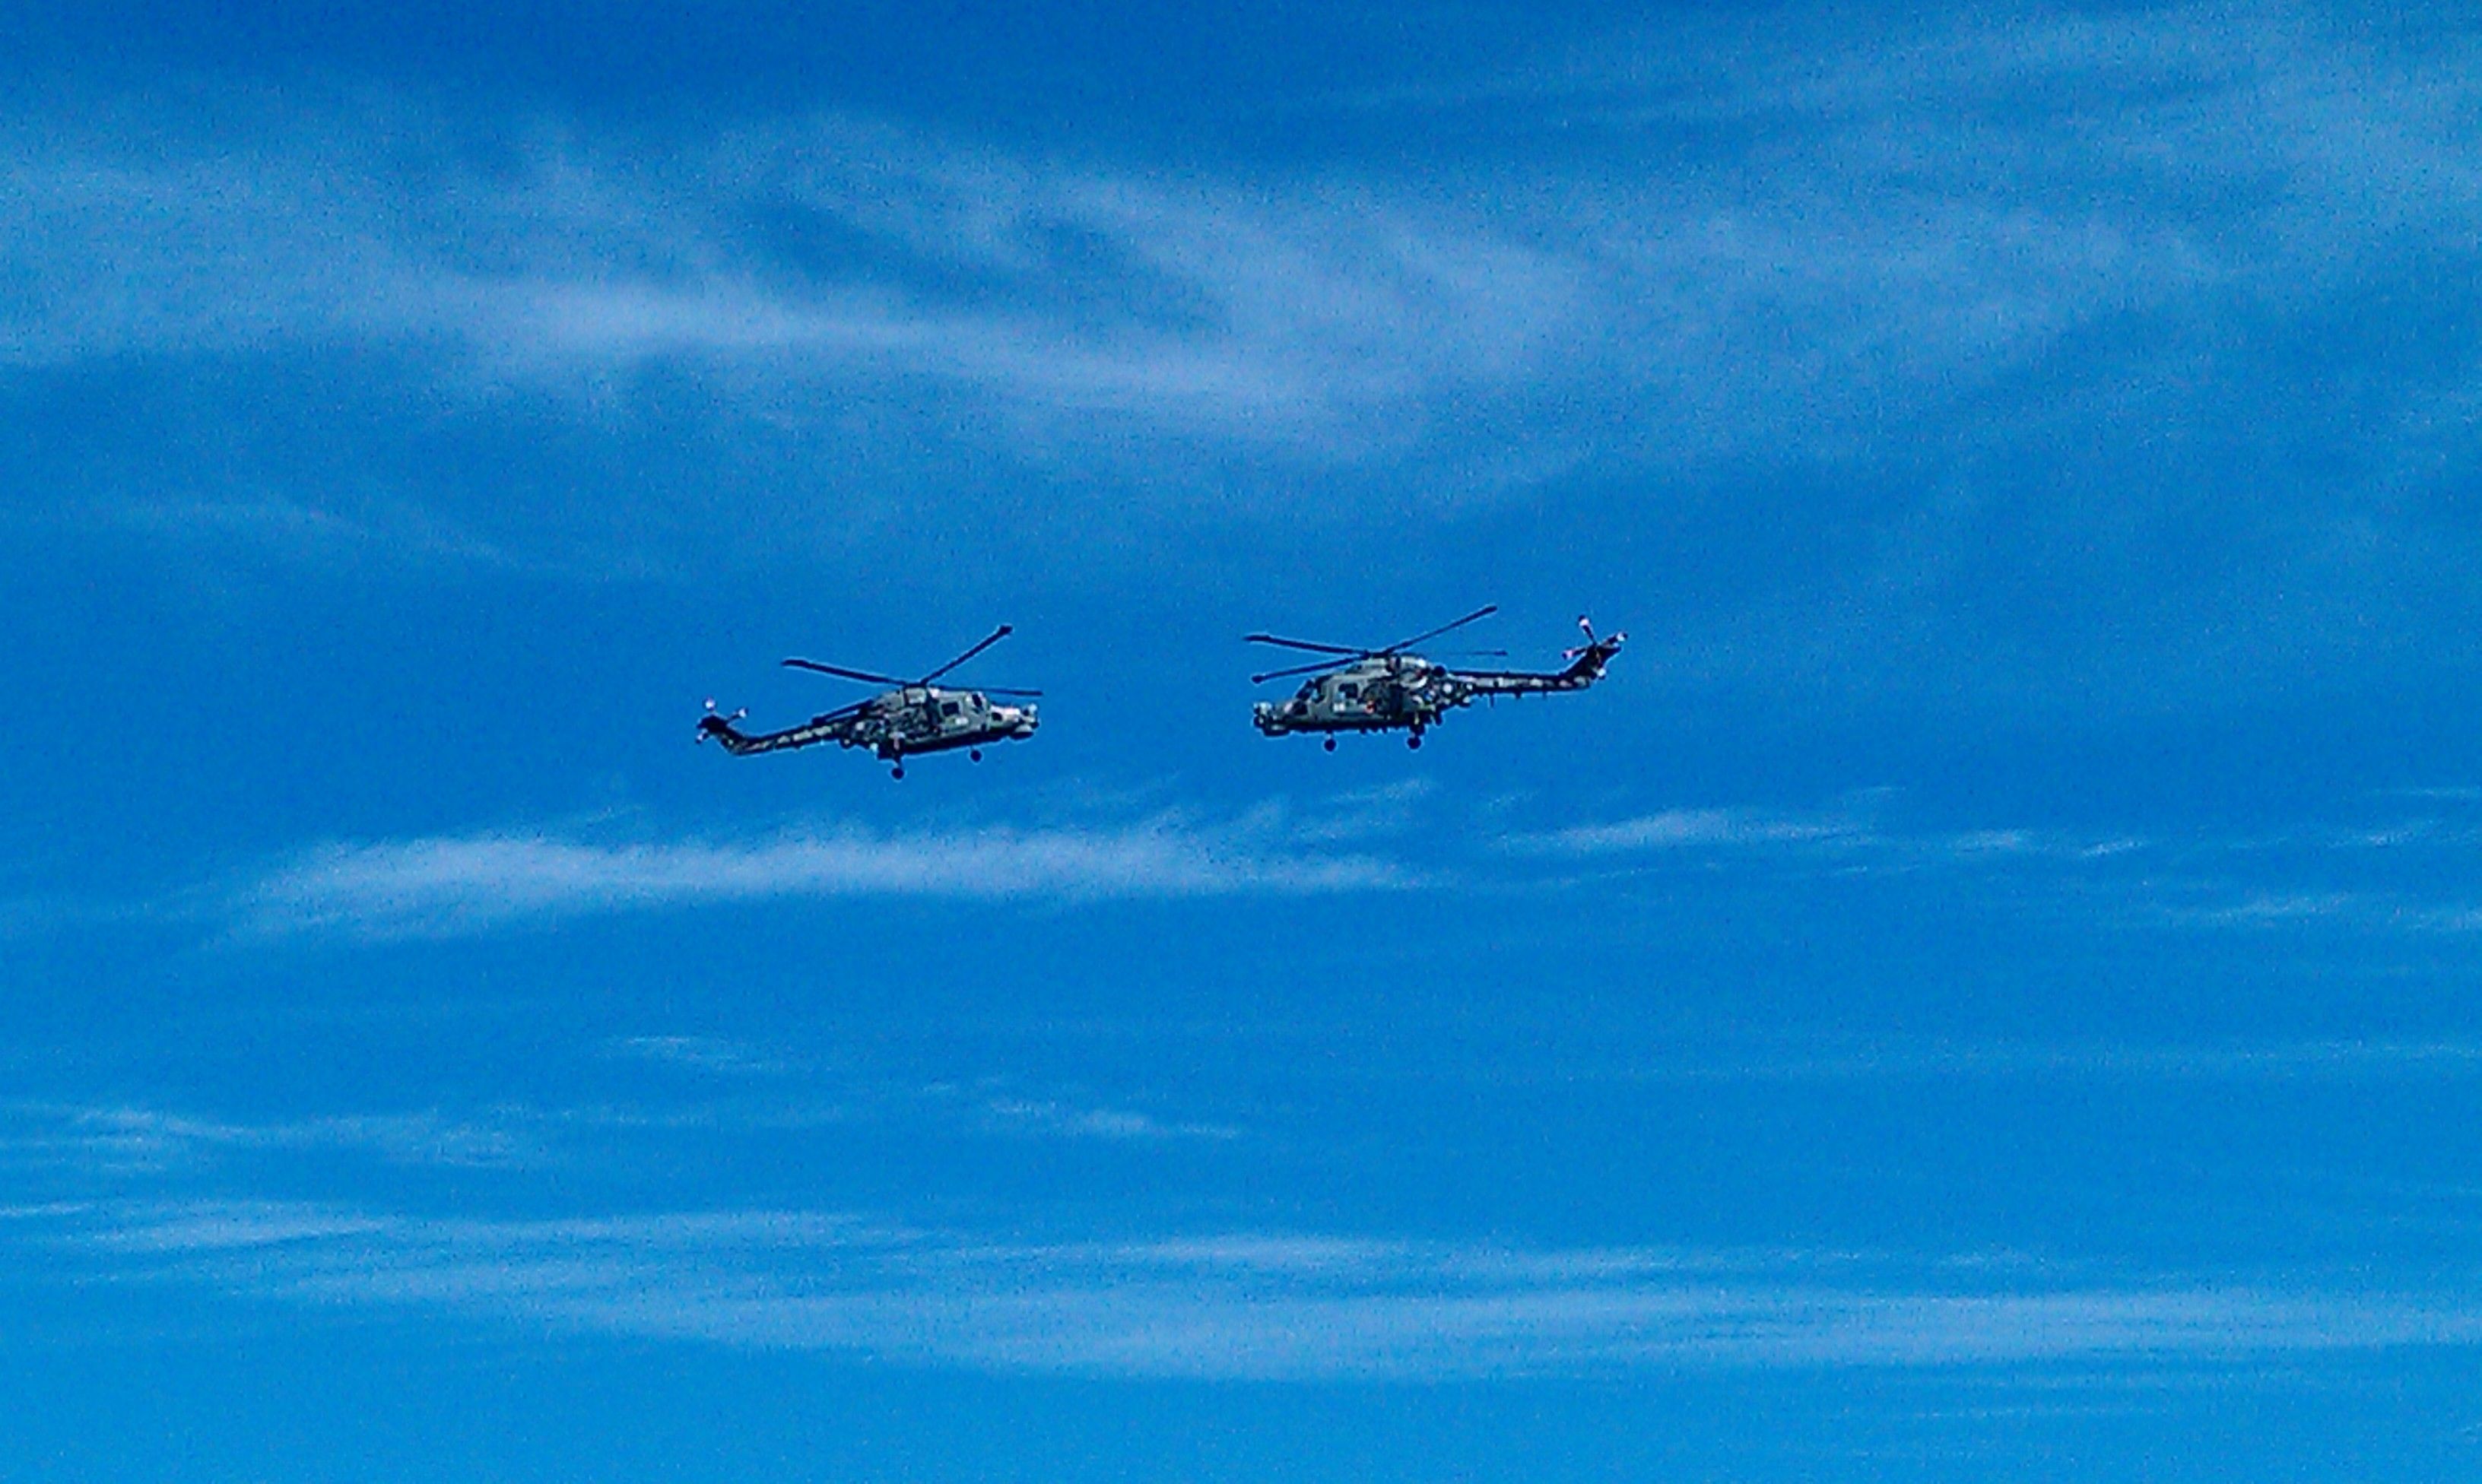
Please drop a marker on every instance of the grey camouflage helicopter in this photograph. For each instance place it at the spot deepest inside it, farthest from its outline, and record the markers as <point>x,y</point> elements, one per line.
<point>1384,689</point>
<point>916,716</point>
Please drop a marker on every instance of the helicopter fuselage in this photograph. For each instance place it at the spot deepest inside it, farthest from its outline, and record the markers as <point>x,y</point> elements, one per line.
<point>1374,695</point>
<point>895,724</point>
<point>1383,692</point>
<point>931,718</point>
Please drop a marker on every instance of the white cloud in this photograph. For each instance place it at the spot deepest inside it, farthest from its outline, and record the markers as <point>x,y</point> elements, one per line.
<point>1686,828</point>
<point>1879,232</point>
<point>139,1140</point>
<point>831,252</point>
<point>704,1053</point>
<point>453,885</point>
<point>1842,835</point>
<point>1059,1119</point>
<point>1228,1305</point>
<point>2206,1062</point>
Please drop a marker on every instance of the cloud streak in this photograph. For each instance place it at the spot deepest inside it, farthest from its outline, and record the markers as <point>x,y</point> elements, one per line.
<point>1940,206</point>
<point>1841,834</point>
<point>2387,880</point>
<point>129,1140</point>
<point>1675,830</point>
<point>1897,1060</point>
<point>448,886</point>
<point>1228,1305</point>
<point>835,251</point>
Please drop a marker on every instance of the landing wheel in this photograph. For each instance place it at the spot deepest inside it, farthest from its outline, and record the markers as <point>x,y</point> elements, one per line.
<point>898,771</point>
<point>1414,741</point>
<point>1329,745</point>
<point>974,754</point>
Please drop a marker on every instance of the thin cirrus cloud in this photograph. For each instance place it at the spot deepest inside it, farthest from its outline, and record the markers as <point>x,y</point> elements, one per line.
<point>1230,1305</point>
<point>830,251</point>
<point>141,1142</point>
<point>2407,879</point>
<point>454,885</point>
<point>448,886</point>
<point>1043,1116</point>
<point>1690,829</point>
<point>1939,204</point>
<point>1844,835</point>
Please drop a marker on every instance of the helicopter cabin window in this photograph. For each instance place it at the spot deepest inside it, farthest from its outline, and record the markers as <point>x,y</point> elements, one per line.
<point>1348,691</point>
<point>948,708</point>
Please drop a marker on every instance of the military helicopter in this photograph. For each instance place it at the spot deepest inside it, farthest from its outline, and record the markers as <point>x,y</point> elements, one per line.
<point>916,716</point>
<point>1383,690</point>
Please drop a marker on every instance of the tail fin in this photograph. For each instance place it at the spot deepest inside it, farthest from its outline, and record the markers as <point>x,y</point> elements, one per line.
<point>1586,661</point>
<point>720,729</point>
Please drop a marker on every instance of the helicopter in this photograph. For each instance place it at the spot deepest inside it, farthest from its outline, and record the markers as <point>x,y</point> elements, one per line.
<point>1383,690</point>
<point>916,716</point>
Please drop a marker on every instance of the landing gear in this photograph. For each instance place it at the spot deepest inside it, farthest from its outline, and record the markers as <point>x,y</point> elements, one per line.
<point>898,771</point>
<point>1414,741</point>
<point>1329,745</point>
<point>974,754</point>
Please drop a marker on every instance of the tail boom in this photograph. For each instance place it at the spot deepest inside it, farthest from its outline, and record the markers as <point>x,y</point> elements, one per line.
<point>1584,669</point>
<point>740,743</point>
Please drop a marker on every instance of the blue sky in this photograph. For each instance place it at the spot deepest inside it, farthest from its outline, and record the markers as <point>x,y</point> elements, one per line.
<point>1983,991</point>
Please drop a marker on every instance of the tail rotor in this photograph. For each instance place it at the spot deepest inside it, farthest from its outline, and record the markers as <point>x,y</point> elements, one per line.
<point>1586,661</point>
<point>1604,646</point>
<point>713,724</point>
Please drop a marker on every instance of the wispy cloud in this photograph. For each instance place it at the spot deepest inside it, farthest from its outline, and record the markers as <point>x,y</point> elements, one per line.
<point>2399,878</point>
<point>132,1140</point>
<point>830,251</point>
<point>1844,835</point>
<point>1235,1304</point>
<point>1689,828</point>
<point>1059,1119</point>
<point>2408,877</point>
<point>1906,1060</point>
<point>721,1055</point>
<point>454,885</point>
<point>1940,204</point>
<point>2379,910</point>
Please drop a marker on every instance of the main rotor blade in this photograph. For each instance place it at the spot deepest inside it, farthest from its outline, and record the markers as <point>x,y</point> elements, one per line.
<point>1296,643</point>
<point>833,670</point>
<point>1005,690</point>
<point>1484,611</point>
<point>1299,670</point>
<point>997,635</point>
